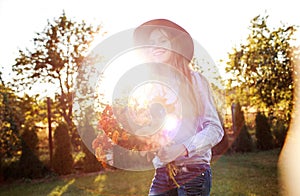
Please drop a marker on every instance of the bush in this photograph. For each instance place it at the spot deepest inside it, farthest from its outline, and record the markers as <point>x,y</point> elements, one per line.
<point>90,162</point>
<point>11,171</point>
<point>280,130</point>
<point>263,133</point>
<point>223,145</point>
<point>62,158</point>
<point>30,165</point>
<point>243,141</point>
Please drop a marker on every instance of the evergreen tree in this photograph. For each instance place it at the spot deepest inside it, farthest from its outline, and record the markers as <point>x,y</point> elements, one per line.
<point>62,159</point>
<point>280,129</point>
<point>263,132</point>
<point>243,141</point>
<point>30,165</point>
<point>90,162</point>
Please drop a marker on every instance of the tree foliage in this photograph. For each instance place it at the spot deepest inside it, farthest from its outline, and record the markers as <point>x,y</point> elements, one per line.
<point>18,140</point>
<point>16,114</point>
<point>55,58</point>
<point>10,123</point>
<point>262,68</point>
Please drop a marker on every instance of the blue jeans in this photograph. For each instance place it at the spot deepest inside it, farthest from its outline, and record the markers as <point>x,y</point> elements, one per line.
<point>192,179</point>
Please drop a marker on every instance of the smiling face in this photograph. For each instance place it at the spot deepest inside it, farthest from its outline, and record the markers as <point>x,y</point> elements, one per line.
<point>161,50</point>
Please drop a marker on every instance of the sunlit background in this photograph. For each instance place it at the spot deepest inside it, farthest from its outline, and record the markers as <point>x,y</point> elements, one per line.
<point>217,25</point>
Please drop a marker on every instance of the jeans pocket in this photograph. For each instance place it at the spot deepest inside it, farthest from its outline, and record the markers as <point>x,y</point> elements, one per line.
<point>200,185</point>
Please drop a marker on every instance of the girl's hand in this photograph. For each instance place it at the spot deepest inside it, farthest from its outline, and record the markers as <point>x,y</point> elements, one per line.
<point>168,154</point>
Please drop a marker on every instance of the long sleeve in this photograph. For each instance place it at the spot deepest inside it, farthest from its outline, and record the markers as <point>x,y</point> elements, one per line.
<point>209,131</point>
<point>200,128</point>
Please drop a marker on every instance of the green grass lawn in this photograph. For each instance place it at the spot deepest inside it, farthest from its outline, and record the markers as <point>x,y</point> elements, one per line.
<point>250,174</point>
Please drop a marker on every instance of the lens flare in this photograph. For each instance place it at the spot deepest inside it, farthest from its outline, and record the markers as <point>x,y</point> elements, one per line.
<point>135,106</point>
<point>171,122</point>
<point>171,125</point>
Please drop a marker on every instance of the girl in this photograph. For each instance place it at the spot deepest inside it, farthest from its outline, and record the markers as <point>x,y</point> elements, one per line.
<point>183,166</point>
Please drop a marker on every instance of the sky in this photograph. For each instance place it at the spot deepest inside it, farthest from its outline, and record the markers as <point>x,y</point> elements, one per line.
<point>218,25</point>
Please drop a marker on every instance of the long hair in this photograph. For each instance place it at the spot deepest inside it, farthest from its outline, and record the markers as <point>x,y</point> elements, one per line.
<point>179,60</point>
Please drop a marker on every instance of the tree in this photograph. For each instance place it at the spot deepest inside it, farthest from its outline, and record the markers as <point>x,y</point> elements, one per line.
<point>30,165</point>
<point>242,138</point>
<point>18,119</point>
<point>88,134</point>
<point>262,69</point>
<point>62,159</point>
<point>223,145</point>
<point>58,52</point>
<point>10,123</point>
<point>263,132</point>
<point>279,130</point>
<point>33,112</point>
<point>90,162</point>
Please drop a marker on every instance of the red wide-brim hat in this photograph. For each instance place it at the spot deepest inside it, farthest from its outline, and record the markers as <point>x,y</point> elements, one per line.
<point>182,42</point>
